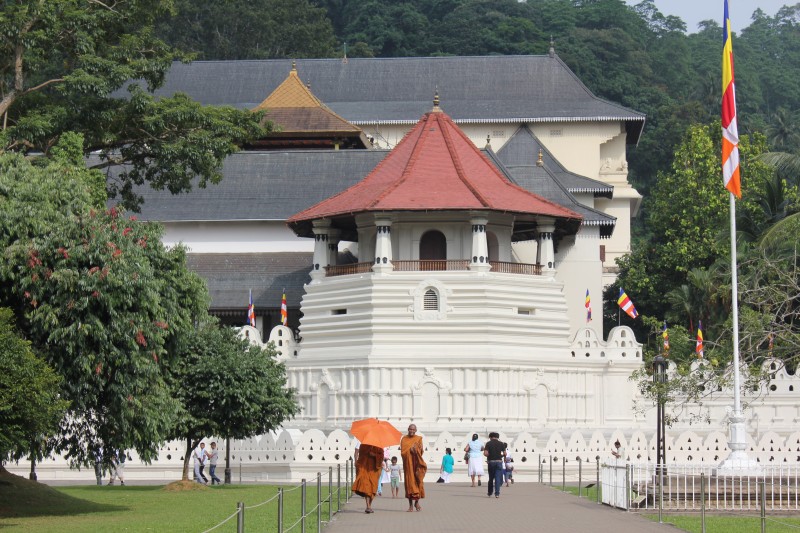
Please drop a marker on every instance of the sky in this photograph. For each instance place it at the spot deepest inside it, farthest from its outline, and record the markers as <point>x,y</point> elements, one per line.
<point>693,11</point>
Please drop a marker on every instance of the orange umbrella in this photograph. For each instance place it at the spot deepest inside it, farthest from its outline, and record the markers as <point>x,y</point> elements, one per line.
<point>375,432</point>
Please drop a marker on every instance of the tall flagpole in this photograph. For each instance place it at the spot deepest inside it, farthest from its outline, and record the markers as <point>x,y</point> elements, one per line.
<point>738,459</point>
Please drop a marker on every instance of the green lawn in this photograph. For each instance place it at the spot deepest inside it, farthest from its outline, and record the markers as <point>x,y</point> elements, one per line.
<point>149,508</point>
<point>715,523</point>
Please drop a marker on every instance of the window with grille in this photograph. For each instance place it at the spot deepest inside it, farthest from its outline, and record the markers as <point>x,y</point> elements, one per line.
<point>430,301</point>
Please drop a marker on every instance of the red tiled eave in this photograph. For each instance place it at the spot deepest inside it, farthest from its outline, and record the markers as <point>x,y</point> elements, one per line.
<point>434,168</point>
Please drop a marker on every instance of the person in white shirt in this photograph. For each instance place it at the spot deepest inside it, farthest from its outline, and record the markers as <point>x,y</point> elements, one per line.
<point>213,457</point>
<point>618,452</point>
<point>199,463</point>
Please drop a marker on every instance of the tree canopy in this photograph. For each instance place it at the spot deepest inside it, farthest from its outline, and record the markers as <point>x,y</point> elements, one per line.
<point>30,406</point>
<point>100,299</point>
<point>228,388</point>
<point>64,66</point>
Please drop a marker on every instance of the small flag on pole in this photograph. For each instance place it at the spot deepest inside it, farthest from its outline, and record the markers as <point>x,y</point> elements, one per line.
<point>588,307</point>
<point>730,129</point>
<point>251,311</point>
<point>665,334</point>
<point>698,349</point>
<point>284,310</point>
<point>626,304</point>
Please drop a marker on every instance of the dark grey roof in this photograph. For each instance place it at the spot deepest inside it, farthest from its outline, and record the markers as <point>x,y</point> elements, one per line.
<point>399,90</point>
<point>230,277</point>
<point>269,185</point>
<point>541,181</point>
<point>522,150</point>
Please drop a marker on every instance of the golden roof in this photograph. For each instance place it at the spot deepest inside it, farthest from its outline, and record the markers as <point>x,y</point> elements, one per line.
<point>290,93</point>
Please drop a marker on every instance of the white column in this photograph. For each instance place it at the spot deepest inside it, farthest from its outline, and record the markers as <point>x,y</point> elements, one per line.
<point>383,246</point>
<point>333,246</point>
<point>321,229</point>
<point>480,247</point>
<point>545,254</point>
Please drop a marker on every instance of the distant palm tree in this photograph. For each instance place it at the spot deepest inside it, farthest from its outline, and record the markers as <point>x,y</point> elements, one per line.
<point>782,132</point>
<point>786,164</point>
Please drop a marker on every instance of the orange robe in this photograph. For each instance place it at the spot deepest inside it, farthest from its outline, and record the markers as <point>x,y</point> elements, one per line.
<point>368,470</point>
<point>414,467</point>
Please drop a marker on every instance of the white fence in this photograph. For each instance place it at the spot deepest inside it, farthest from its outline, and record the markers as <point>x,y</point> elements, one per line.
<point>687,487</point>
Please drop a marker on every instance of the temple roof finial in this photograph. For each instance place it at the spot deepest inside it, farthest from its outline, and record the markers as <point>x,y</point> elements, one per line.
<point>488,141</point>
<point>436,101</point>
<point>552,51</point>
<point>294,65</point>
<point>540,161</point>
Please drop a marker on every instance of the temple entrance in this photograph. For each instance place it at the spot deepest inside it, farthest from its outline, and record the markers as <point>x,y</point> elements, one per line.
<point>433,245</point>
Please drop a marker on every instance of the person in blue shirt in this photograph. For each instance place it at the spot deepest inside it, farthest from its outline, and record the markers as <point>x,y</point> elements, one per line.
<point>447,465</point>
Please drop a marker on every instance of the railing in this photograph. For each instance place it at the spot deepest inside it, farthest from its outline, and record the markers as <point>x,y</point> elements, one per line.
<point>427,265</point>
<point>431,264</point>
<point>685,487</point>
<point>505,267</point>
<point>326,506</point>
<point>344,270</point>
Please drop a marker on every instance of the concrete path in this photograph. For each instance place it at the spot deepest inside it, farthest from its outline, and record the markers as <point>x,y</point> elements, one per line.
<point>523,507</point>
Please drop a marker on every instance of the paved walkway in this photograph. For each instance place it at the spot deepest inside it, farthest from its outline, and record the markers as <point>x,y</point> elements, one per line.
<point>528,507</point>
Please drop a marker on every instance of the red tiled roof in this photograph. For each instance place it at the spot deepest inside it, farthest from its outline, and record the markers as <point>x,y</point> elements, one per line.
<point>434,167</point>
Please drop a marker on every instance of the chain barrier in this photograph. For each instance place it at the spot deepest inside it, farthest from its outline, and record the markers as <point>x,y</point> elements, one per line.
<point>305,513</point>
<point>215,527</point>
<point>786,524</point>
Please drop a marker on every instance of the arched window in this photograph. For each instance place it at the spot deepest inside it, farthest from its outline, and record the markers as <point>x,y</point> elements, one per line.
<point>430,301</point>
<point>433,245</point>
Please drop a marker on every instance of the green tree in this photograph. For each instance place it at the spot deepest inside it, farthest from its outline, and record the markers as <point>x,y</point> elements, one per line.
<point>63,63</point>
<point>101,299</point>
<point>30,406</point>
<point>687,219</point>
<point>228,388</point>
<point>249,29</point>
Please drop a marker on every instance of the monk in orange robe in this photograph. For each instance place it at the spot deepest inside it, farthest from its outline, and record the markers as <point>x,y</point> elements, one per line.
<point>368,472</point>
<point>414,467</point>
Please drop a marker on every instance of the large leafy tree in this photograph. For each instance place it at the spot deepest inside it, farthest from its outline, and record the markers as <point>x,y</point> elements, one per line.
<point>228,388</point>
<point>63,64</point>
<point>101,299</point>
<point>30,406</point>
<point>249,29</point>
<point>687,220</point>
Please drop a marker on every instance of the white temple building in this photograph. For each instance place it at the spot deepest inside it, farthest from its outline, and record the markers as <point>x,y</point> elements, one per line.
<point>436,268</point>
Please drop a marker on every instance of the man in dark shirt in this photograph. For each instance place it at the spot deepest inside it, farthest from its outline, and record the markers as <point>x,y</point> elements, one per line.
<point>495,451</point>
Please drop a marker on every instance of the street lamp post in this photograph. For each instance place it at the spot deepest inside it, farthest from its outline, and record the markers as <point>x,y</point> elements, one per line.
<point>660,379</point>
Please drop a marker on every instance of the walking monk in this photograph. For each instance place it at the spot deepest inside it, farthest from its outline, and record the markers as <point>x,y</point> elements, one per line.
<point>414,467</point>
<point>368,471</point>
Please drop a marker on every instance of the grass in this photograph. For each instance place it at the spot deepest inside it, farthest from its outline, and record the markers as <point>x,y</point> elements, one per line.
<point>715,523</point>
<point>28,506</point>
<point>730,523</point>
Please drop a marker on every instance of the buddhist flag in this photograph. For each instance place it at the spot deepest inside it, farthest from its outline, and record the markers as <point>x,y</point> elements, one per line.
<point>251,312</point>
<point>588,307</point>
<point>698,349</point>
<point>730,130</point>
<point>626,304</point>
<point>665,334</point>
<point>284,310</point>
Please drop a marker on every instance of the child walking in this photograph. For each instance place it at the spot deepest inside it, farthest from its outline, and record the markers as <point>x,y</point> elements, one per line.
<point>508,472</point>
<point>447,465</point>
<point>395,476</point>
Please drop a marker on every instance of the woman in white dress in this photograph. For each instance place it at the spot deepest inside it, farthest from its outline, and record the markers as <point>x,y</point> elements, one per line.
<point>384,471</point>
<point>475,451</point>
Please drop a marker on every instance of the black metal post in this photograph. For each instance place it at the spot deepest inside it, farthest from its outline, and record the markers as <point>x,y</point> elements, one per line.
<point>660,379</point>
<point>228,461</point>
